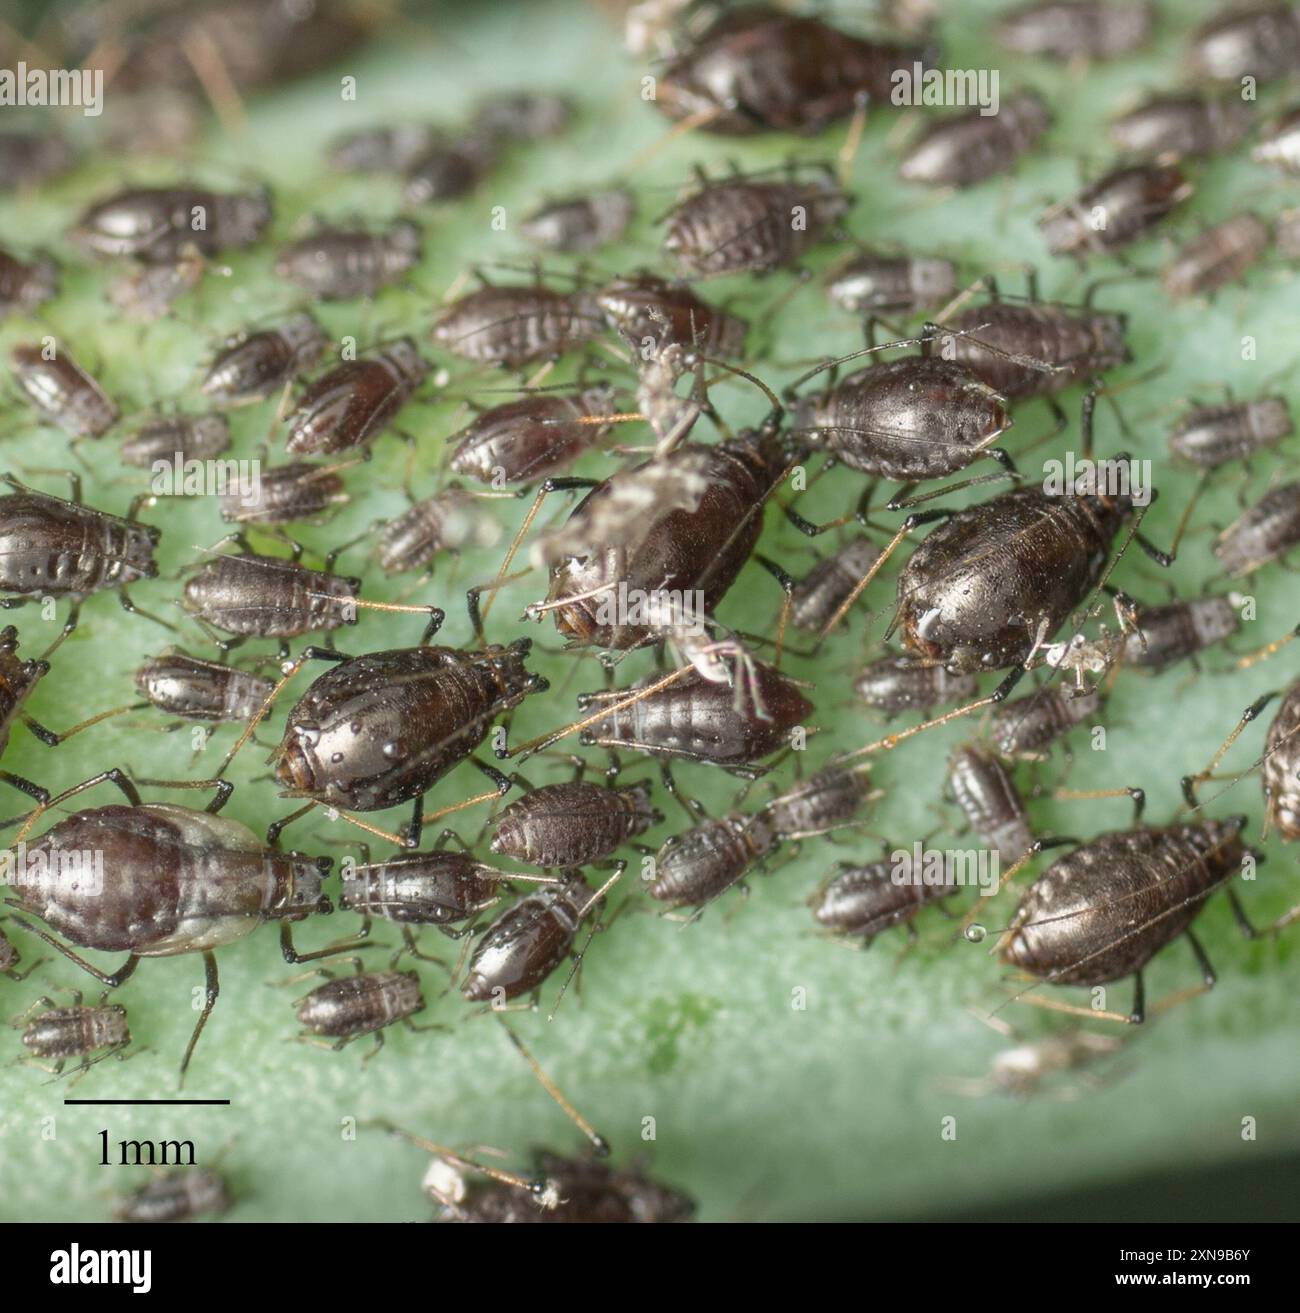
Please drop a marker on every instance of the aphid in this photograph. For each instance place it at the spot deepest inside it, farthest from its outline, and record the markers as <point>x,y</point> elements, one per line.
<point>17,680</point>
<point>149,291</point>
<point>253,596</point>
<point>166,437</point>
<point>1114,211</point>
<point>336,264</point>
<point>859,902</point>
<point>1023,1069</point>
<point>525,440</point>
<point>194,689</point>
<point>573,824</point>
<point>580,223</point>
<point>1077,29</point>
<point>351,405</point>
<point>1280,774</point>
<point>1028,726</point>
<point>1260,42</point>
<point>1218,256</point>
<point>444,522</point>
<point>529,115</point>
<point>255,365</point>
<point>875,281</point>
<point>759,69</point>
<point>381,150</point>
<point>919,417</point>
<point>58,1034</point>
<point>177,1197</point>
<point>1210,436</point>
<point>436,888</point>
<point>645,308</point>
<point>823,802</point>
<point>25,286</point>
<point>166,880</point>
<point>823,590</point>
<point>1104,910</point>
<point>1281,146</point>
<point>1189,126</point>
<point>52,547</point>
<point>512,326</point>
<point>749,225</point>
<point>345,1008</point>
<point>694,868</point>
<point>963,149</point>
<point>285,494</point>
<point>10,958</point>
<point>895,684</point>
<point>63,392</point>
<point>157,225</point>
<point>1164,635</point>
<point>1265,532</point>
<point>28,159</point>
<point>988,797</point>
<point>448,169</point>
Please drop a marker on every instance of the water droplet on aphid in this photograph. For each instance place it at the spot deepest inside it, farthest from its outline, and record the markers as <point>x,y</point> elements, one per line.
<point>976,933</point>
<point>391,750</point>
<point>336,758</point>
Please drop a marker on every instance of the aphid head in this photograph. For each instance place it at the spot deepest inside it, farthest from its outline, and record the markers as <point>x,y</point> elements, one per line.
<point>304,893</point>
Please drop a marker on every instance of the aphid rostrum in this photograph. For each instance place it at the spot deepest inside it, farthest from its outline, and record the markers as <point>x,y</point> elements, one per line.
<point>165,437</point>
<point>1077,29</point>
<point>177,1197</point>
<point>1218,256</point>
<point>572,824</point>
<point>1264,532</point>
<point>156,225</point>
<point>62,392</point>
<point>967,148</point>
<point>257,364</point>
<point>512,326</point>
<point>23,287</point>
<point>1114,211</point>
<point>56,1033</point>
<point>1210,436</point>
<point>580,223</point>
<point>1188,125</point>
<point>336,264</point>
<point>287,494</point>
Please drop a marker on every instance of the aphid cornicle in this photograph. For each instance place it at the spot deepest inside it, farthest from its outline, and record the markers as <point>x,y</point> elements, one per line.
<point>194,689</point>
<point>1210,436</point>
<point>1131,200</point>
<point>286,494</point>
<point>177,1197</point>
<point>437,888</point>
<point>1104,910</point>
<point>860,902</point>
<point>1258,41</point>
<point>963,149</point>
<point>1190,126</point>
<point>157,224</point>
<point>752,225</point>
<point>1176,631</point>
<point>820,593</point>
<point>1220,255</point>
<point>701,864</point>
<point>353,403</point>
<point>761,69</point>
<point>572,824</point>
<point>525,440</point>
<point>25,286</point>
<point>255,365</point>
<point>513,326</point>
<point>335,264</point>
<point>1264,532</point>
<point>580,223</point>
<point>163,437</point>
<point>646,308</point>
<point>877,281</point>
<point>63,392</point>
<point>1075,29</point>
<point>345,1008</point>
<point>825,801</point>
<point>895,684</point>
<point>987,795</point>
<point>77,1031</point>
<point>1281,145</point>
<point>1028,726</point>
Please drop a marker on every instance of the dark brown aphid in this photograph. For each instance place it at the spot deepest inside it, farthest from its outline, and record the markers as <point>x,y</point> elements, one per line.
<point>580,223</point>
<point>530,115</point>
<point>859,902</point>
<point>764,70</point>
<point>878,282</point>
<point>157,880</point>
<point>1265,532</point>
<point>963,149</point>
<point>1028,726</point>
<point>255,365</point>
<point>449,168</point>
<point>1259,41</point>
<point>1114,211</point>
<point>645,308</point>
<point>694,868</point>
<point>63,392</point>
<point>827,586</point>
<point>1281,146</point>
<point>57,1034</point>
<point>696,719</point>
<point>444,522</point>
<point>525,440</point>
<point>286,494</point>
<point>436,888</point>
<point>1077,29</point>
<point>336,264</point>
<point>748,225</point>
<point>157,225</point>
<point>17,680</point>
<point>574,824</point>
<point>1220,255</point>
<point>166,437</point>
<point>25,286</point>
<point>919,417</point>
<point>513,326</point>
<point>347,1007</point>
<point>148,291</point>
<point>987,795</point>
<point>1189,126</point>
<point>1280,774</point>
<point>253,596</point>
<point>1210,436</point>
<point>351,405</point>
<point>895,684</point>
<point>1103,911</point>
<point>382,150</point>
<point>1164,635</point>
<point>1036,348</point>
<point>826,801</point>
<point>177,1197</point>
<point>28,159</point>
<point>194,689</point>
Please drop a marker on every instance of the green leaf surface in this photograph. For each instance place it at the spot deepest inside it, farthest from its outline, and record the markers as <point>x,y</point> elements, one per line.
<point>761,1110</point>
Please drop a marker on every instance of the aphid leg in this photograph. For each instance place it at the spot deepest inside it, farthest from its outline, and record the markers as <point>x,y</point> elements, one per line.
<point>1138,796</point>
<point>109,981</point>
<point>69,625</point>
<point>501,787</point>
<point>211,989</point>
<point>691,806</point>
<point>594,901</point>
<point>276,828</point>
<point>25,786</point>
<point>1189,782</point>
<point>597,1141</point>
<point>900,502</point>
<point>1135,1017</point>
<point>221,796</point>
<point>114,775</point>
<point>786,580</point>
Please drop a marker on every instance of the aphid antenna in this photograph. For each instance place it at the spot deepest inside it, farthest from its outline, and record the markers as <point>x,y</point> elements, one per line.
<point>1189,782</point>
<point>700,119</point>
<point>597,1141</point>
<point>453,1157</point>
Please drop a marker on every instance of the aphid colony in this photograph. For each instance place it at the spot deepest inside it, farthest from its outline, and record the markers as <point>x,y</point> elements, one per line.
<point>639,560</point>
